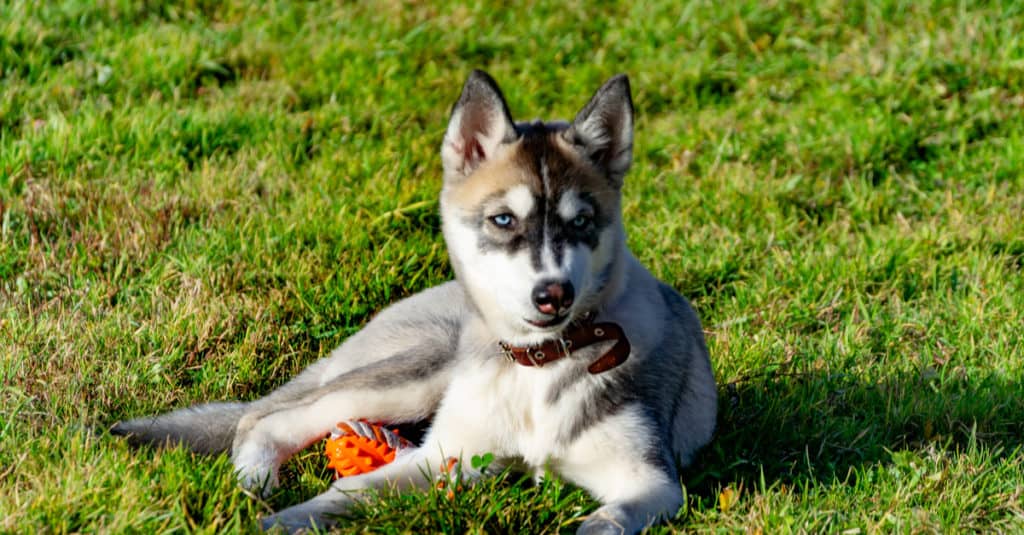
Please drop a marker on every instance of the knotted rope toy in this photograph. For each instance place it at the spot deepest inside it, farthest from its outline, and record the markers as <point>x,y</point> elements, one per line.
<point>358,447</point>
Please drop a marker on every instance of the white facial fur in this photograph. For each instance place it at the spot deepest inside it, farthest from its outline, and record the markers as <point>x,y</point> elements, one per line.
<point>520,200</point>
<point>499,283</point>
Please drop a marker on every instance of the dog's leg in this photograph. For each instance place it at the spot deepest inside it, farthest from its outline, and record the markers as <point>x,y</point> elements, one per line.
<point>267,437</point>
<point>417,469</point>
<point>447,439</point>
<point>622,463</point>
<point>208,428</point>
<point>634,495</point>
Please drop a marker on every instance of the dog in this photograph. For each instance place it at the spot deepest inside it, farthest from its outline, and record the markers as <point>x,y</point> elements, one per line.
<point>552,349</point>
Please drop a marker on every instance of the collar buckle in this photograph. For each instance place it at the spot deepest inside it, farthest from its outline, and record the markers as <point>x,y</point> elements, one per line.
<point>506,350</point>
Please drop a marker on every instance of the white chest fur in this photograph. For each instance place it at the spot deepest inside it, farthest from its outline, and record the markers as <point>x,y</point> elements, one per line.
<point>503,408</point>
<point>494,406</point>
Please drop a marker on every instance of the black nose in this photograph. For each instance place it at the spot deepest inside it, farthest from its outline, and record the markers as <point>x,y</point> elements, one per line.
<point>553,297</point>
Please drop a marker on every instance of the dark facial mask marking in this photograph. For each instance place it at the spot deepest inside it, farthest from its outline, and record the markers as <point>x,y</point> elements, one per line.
<point>544,225</point>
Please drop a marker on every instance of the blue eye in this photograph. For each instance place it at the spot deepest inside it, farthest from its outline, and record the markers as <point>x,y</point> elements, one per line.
<point>503,220</point>
<point>581,221</point>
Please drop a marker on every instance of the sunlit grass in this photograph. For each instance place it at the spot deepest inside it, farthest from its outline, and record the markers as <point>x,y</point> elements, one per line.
<point>198,199</point>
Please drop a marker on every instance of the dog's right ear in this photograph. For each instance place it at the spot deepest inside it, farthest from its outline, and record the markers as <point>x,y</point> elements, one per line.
<point>479,124</point>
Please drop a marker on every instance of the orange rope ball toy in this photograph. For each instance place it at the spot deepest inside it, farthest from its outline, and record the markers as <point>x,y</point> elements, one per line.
<point>358,447</point>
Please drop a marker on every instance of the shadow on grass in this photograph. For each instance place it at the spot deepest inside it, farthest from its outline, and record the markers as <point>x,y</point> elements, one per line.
<point>818,426</point>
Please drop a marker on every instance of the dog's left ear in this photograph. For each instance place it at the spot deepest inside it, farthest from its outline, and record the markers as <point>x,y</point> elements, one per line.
<point>479,124</point>
<point>603,129</point>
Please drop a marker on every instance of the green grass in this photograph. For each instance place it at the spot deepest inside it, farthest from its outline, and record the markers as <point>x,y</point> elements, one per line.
<point>198,199</point>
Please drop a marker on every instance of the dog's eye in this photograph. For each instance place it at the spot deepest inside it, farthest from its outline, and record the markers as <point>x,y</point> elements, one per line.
<point>504,220</point>
<point>580,221</point>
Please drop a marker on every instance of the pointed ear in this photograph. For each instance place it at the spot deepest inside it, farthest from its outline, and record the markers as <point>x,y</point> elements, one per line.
<point>603,129</point>
<point>479,124</point>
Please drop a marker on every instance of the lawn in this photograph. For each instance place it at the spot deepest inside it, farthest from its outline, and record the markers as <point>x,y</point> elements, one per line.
<point>198,199</point>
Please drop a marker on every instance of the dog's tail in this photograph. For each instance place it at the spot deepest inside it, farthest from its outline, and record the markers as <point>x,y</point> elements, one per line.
<point>208,428</point>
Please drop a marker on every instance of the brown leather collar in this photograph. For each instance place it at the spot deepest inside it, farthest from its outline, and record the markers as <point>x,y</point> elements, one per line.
<point>577,336</point>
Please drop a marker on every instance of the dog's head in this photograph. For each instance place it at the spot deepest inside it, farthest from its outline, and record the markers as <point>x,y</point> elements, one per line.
<point>531,211</point>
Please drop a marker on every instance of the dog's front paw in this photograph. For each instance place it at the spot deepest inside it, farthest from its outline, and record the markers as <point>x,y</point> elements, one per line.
<point>256,467</point>
<point>300,518</point>
<point>278,523</point>
<point>601,526</point>
<point>608,520</point>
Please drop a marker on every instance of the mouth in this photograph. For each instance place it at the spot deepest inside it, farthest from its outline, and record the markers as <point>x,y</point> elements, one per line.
<point>549,323</point>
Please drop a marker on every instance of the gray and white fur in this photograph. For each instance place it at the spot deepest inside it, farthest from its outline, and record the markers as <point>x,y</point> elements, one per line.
<point>524,207</point>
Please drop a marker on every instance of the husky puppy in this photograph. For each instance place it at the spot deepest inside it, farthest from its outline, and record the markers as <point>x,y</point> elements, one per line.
<point>553,348</point>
